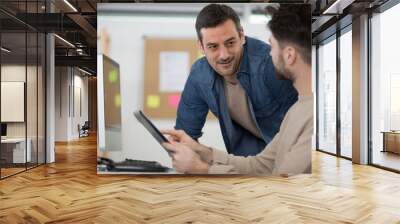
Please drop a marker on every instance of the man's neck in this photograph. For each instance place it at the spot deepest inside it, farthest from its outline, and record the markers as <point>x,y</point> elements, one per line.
<point>232,79</point>
<point>302,82</point>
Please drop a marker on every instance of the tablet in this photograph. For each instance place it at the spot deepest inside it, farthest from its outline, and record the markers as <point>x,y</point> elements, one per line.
<point>150,127</point>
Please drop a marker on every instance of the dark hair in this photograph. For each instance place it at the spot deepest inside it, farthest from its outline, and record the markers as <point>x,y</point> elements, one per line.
<point>292,24</point>
<point>215,14</point>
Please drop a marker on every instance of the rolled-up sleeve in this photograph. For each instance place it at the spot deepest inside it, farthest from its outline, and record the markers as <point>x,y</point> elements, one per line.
<point>262,164</point>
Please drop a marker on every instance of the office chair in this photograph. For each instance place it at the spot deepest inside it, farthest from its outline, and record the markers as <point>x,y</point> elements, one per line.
<point>84,130</point>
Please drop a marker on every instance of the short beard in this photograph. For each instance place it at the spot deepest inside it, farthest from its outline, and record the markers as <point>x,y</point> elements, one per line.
<point>283,75</point>
<point>280,72</point>
<point>279,75</point>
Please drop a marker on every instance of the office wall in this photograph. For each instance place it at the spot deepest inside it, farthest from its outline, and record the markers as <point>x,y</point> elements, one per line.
<point>24,63</point>
<point>71,87</point>
<point>33,126</point>
<point>16,73</point>
<point>80,109</point>
<point>61,103</point>
<point>126,46</point>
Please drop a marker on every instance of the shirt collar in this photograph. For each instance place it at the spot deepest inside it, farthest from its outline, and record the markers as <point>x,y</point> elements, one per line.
<point>244,65</point>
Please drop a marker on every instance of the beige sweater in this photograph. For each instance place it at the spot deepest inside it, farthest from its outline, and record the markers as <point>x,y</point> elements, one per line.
<point>289,152</point>
<point>239,107</point>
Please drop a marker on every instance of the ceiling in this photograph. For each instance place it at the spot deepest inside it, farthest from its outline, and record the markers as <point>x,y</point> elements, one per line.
<point>76,22</point>
<point>330,16</point>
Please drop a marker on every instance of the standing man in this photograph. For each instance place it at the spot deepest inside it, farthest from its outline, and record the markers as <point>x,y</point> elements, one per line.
<point>289,152</point>
<point>236,81</point>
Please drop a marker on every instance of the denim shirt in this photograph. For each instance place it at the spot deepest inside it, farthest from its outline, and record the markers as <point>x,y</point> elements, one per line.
<point>269,99</point>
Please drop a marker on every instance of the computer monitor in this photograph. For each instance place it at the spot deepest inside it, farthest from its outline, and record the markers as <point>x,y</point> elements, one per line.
<point>109,104</point>
<point>3,129</point>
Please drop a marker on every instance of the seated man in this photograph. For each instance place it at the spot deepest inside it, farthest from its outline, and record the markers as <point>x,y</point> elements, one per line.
<point>289,152</point>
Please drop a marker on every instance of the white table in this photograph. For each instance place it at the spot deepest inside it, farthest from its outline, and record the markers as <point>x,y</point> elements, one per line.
<point>19,155</point>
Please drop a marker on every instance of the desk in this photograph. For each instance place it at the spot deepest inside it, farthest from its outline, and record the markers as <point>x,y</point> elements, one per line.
<point>16,147</point>
<point>101,170</point>
<point>391,141</point>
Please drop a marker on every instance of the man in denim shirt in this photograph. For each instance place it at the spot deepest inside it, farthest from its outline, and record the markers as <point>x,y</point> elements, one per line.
<point>236,81</point>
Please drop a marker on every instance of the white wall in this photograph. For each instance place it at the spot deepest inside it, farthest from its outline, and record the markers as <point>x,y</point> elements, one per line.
<point>80,82</point>
<point>34,123</point>
<point>66,121</point>
<point>126,34</point>
<point>12,73</point>
<point>61,103</point>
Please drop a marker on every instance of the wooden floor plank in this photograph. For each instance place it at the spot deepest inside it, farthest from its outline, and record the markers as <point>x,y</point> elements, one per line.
<point>70,191</point>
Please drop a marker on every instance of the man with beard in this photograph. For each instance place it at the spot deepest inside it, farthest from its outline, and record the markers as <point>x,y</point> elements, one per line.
<point>236,82</point>
<point>289,152</point>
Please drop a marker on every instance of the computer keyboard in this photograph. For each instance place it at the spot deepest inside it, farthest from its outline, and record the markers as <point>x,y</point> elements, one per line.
<point>131,165</point>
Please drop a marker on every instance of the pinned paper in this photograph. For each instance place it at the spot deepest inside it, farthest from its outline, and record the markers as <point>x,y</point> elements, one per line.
<point>117,100</point>
<point>173,100</point>
<point>113,76</point>
<point>174,70</point>
<point>153,101</point>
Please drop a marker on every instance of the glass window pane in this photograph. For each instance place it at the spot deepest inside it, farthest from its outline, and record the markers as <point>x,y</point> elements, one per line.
<point>31,101</point>
<point>385,86</point>
<point>314,89</point>
<point>346,94</point>
<point>327,97</point>
<point>23,84</point>
<point>31,86</point>
<point>41,98</point>
<point>13,87</point>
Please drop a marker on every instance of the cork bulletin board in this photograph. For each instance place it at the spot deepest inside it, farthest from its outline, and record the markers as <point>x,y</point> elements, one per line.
<point>167,66</point>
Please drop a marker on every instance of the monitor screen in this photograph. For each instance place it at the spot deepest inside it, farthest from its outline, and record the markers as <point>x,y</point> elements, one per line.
<point>3,129</point>
<point>109,104</point>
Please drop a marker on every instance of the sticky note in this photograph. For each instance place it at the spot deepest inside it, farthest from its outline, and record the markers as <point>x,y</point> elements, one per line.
<point>117,100</point>
<point>153,101</point>
<point>113,76</point>
<point>173,100</point>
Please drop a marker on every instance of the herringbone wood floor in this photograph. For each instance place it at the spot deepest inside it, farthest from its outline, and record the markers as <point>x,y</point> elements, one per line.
<point>69,191</point>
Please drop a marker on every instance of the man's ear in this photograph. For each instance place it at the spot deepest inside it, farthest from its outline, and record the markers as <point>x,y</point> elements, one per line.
<point>241,35</point>
<point>290,55</point>
<point>200,45</point>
